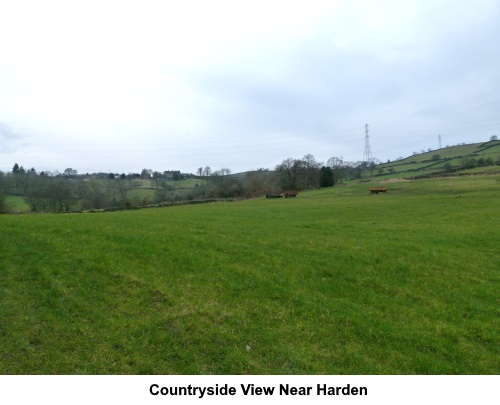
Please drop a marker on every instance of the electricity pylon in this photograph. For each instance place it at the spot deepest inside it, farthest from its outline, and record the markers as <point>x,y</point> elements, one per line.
<point>367,155</point>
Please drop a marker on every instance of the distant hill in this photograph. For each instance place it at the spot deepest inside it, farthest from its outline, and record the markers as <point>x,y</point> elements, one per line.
<point>476,157</point>
<point>482,157</point>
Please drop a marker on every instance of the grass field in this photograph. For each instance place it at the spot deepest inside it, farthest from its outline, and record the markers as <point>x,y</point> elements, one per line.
<point>335,281</point>
<point>424,163</point>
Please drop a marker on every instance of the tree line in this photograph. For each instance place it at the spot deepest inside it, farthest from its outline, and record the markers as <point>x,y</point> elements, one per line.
<point>69,190</point>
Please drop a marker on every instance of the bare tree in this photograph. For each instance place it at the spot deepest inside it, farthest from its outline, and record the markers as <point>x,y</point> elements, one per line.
<point>123,187</point>
<point>311,171</point>
<point>261,182</point>
<point>60,194</point>
<point>69,172</point>
<point>37,194</point>
<point>339,169</point>
<point>224,172</point>
<point>96,195</point>
<point>146,173</point>
<point>287,175</point>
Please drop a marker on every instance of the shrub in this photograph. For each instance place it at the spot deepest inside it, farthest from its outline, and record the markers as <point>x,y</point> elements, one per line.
<point>447,167</point>
<point>4,209</point>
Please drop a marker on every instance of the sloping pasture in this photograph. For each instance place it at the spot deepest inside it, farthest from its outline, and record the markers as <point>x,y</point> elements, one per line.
<point>335,281</point>
<point>434,161</point>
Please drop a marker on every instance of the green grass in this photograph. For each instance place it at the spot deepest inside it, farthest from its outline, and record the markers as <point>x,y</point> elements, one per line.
<point>138,195</point>
<point>335,281</point>
<point>17,204</point>
<point>423,163</point>
<point>187,183</point>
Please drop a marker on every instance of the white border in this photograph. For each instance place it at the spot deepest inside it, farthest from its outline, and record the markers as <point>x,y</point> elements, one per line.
<point>123,390</point>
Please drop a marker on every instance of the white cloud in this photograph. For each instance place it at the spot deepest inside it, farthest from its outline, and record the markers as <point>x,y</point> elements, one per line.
<point>118,84</point>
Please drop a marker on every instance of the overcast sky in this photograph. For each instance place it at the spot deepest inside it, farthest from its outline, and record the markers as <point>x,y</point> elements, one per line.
<point>176,85</point>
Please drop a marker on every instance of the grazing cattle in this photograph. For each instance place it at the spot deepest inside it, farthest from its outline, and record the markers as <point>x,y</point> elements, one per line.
<point>274,196</point>
<point>289,194</point>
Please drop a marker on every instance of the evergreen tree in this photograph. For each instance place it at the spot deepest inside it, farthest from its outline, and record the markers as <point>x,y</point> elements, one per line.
<point>326,177</point>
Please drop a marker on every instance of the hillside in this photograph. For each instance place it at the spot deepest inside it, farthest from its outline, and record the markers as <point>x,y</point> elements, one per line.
<point>471,158</point>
